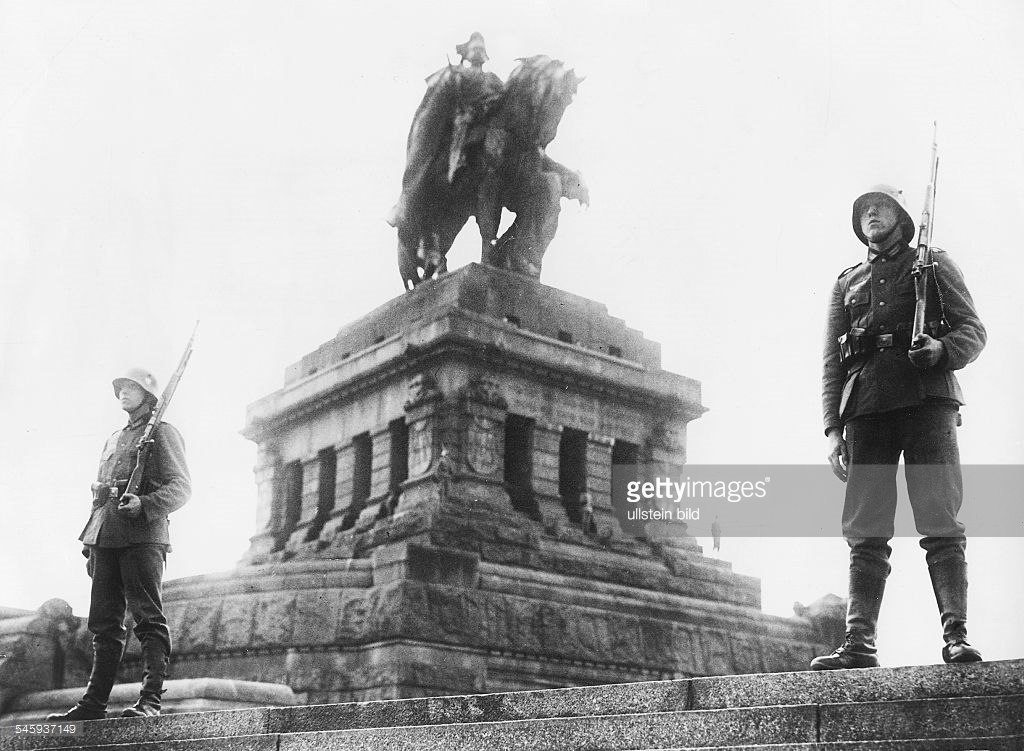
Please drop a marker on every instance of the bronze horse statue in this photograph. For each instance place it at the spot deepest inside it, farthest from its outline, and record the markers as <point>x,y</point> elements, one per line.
<point>476,147</point>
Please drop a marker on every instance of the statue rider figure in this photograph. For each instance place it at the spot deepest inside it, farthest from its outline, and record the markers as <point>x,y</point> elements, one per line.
<point>481,90</point>
<point>476,147</point>
<point>478,90</point>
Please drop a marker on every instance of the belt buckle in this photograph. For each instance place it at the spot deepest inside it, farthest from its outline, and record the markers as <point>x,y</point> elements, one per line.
<point>883,341</point>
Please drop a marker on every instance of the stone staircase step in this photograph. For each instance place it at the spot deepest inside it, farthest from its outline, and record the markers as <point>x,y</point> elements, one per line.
<point>271,743</point>
<point>659,730</point>
<point>919,721</point>
<point>941,704</point>
<point>1000,743</point>
<point>829,687</point>
<point>654,730</point>
<point>233,743</point>
<point>1003,677</point>
<point>795,724</point>
<point>634,698</point>
<point>968,716</point>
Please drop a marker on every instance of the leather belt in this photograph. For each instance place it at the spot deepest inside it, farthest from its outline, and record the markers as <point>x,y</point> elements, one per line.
<point>857,342</point>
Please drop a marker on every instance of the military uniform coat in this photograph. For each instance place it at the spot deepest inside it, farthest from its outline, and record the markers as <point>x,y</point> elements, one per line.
<point>877,295</point>
<point>166,486</point>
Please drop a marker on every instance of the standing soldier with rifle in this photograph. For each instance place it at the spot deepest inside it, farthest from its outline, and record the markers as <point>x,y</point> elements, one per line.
<point>899,324</point>
<point>142,478</point>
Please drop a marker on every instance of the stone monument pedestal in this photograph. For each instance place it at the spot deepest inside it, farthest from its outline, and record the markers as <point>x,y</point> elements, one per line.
<point>434,487</point>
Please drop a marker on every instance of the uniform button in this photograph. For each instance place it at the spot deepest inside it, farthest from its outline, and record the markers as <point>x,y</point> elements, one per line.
<point>881,304</point>
<point>881,281</point>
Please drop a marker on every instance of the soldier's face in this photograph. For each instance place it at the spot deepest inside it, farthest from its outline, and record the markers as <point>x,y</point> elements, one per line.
<point>878,219</point>
<point>131,396</point>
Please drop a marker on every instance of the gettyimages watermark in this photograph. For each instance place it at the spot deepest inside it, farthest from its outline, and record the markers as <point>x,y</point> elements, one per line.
<point>808,500</point>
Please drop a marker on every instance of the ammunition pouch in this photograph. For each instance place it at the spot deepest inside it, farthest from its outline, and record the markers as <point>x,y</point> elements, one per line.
<point>107,491</point>
<point>101,493</point>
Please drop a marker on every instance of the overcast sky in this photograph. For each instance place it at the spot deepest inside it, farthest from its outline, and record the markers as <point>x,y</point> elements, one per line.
<point>162,162</point>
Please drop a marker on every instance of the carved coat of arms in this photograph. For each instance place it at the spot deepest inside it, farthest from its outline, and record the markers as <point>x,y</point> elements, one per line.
<point>421,447</point>
<point>482,445</point>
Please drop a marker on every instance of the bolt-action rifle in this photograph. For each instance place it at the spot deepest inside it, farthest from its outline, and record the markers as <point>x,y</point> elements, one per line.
<point>147,440</point>
<point>924,266</point>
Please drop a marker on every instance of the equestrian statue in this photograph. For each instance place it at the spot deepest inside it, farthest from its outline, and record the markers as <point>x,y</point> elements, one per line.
<point>477,146</point>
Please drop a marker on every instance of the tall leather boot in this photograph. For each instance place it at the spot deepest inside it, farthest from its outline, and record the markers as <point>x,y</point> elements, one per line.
<point>949,581</point>
<point>858,650</point>
<point>155,659</point>
<point>93,705</point>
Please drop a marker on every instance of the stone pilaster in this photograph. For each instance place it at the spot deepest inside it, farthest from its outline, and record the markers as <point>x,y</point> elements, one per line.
<point>310,503</point>
<point>599,483</point>
<point>665,448</point>
<point>380,479</point>
<point>545,473</point>
<point>343,484</point>
<point>380,482</point>
<point>269,514</point>
<point>342,494</point>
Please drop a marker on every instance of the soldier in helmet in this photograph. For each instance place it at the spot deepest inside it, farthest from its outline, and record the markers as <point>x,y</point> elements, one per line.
<point>126,541</point>
<point>884,395</point>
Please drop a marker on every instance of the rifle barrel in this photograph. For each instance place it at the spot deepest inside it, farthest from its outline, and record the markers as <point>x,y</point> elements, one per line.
<point>923,264</point>
<point>146,441</point>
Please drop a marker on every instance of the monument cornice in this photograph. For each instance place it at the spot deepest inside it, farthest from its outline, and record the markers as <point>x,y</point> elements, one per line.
<point>459,334</point>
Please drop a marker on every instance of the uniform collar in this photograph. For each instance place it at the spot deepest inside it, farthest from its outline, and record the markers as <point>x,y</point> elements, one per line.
<point>140,416</point>
<point>889,253</point>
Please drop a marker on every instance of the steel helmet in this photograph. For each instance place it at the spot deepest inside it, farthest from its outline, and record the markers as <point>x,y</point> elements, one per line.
<point>139,376</point>
<point>895,195</point>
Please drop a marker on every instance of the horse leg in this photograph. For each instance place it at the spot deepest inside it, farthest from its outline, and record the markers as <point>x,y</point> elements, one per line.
<point>488,219</point>
<point>549,220</point>
<point>505,246</point>
<point>407,264</point>
<point>444,238</point>
<point>541,208</point>
<point>433,258</point>
<point>440,241</point>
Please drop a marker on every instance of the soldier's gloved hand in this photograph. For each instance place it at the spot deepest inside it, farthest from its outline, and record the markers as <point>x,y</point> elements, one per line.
<point>838,453</point>
<point>926,351</point>
<point>130,506</point>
